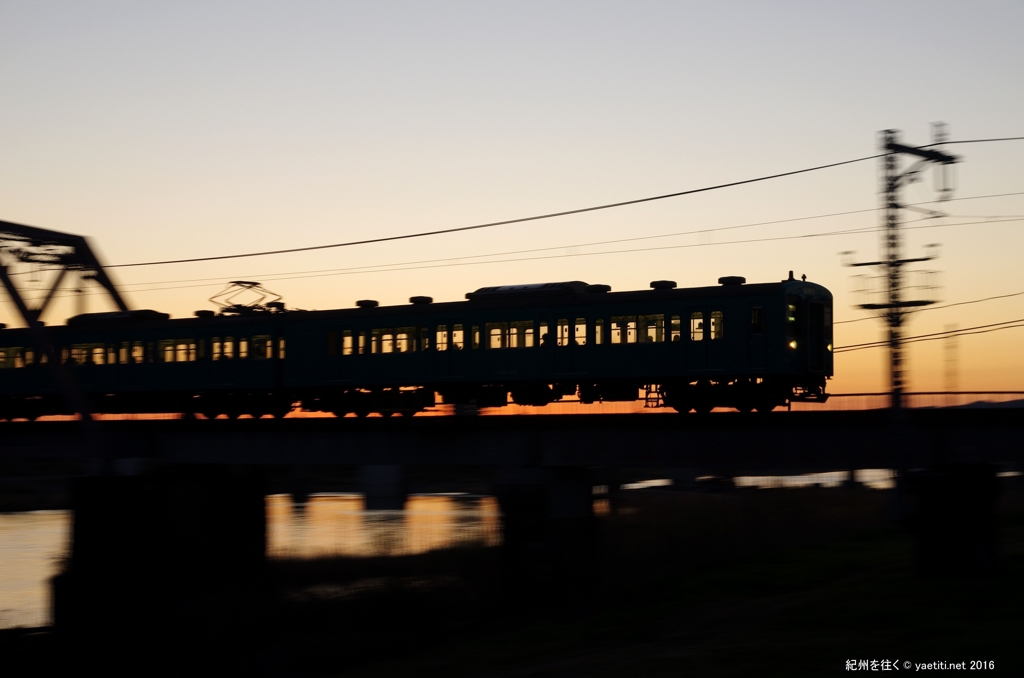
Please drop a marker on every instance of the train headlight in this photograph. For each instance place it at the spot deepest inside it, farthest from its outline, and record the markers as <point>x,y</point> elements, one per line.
<point>829,348</point>
<point>792,344</point>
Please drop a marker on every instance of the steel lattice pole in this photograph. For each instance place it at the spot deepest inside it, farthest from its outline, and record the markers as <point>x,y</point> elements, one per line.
<point>891,234</point>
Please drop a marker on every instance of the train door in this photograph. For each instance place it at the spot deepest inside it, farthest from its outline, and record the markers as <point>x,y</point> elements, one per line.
<point>441,340</point>
<point>756,355</point>
<point>579,348</point>
<point>697,351</point>
<point>816,337</point>
<point>564,341</point>
<point>717,351</point>
<point>458,350</point>
<point>333,365</point>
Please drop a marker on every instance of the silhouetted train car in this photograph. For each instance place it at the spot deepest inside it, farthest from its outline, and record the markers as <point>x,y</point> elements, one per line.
<point>735,345</point>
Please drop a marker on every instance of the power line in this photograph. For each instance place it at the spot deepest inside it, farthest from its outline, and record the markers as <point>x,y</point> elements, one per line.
<point>971,141</point>
<point>506,222</point>
<point>389,268</point>
<point>571,245</point>
<point>935,308</point>
<point>386,268</point>
<point>592,244</point>
<point>538,217</point>
<point>934,336</point>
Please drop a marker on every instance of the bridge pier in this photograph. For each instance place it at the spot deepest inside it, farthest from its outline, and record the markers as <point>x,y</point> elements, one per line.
<point>383,487</point>
<point>548,524</point>
<point>151,550</point>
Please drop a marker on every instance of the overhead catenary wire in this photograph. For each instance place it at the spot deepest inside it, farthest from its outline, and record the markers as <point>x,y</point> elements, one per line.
<point>571,245</point>
<point>550,215</point>
<point>538,217</point>
<point>458,262</point>
<point>935,308</point>
<point>934,336</point>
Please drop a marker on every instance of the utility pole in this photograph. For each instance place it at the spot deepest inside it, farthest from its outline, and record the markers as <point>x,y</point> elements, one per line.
<point>895,306</point>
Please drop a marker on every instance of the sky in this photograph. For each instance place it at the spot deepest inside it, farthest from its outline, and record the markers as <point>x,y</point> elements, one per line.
<point>188,129</point>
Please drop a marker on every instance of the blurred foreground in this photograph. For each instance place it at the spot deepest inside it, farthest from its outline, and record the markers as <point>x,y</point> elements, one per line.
<point>717,581</point>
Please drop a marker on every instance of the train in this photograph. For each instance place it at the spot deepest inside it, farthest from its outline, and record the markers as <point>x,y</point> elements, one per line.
<point>732,345</point>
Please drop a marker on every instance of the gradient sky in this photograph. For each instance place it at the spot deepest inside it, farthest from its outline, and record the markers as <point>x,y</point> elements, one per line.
<point>166,130</point>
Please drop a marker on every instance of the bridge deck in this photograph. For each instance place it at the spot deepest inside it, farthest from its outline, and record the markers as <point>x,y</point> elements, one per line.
<point>726,442</point>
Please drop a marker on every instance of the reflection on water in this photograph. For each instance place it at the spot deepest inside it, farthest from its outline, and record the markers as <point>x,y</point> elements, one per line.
<point>336,524</point>
<point>875,478</point>
<point>31,546</point>
<point>32,543</point>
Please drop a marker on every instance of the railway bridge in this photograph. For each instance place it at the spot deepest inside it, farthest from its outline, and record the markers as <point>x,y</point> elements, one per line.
<point>163,488</point>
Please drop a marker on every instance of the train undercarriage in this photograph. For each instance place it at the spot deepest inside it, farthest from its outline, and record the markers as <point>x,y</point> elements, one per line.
<point>700,396</point>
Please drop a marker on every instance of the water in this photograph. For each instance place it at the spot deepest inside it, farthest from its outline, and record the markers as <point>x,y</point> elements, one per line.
<point>336,524</point>
<point>33,543</point>
<point>31,547</point>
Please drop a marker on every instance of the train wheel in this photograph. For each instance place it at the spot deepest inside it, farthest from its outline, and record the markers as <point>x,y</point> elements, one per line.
<point>765,408</point>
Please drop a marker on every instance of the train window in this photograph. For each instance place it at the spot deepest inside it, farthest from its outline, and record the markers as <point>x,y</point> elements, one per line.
<point>111,355</point>
<point>458,338</point>
<point>424,339</point>
<point>243,348</point>
<point>280,348</point>
<point>675,328</point>
<point>696,326</point>
<point>124,352</point>
<point>381,340</point>
<point>562,332</point>
<point>20,359</point>
<point>3,358</point>
<point>405,339</point>
<point>651,328</point>
<point>599,331</point>
<point>441,338</point>
<point>623,329</point>
<point>757,320</point>
<point>542,332</point>
<point>580,332</point>
<point>495,334</point>
<point>332,342</point>
<point>520,334</point>
<point>362,343</point>
<point>138,353</point>
<point>475,337</point>
<point>346,342</point>
<point>262,347</point>
<point>165,351</point>
<point>215,348</point>
<point>717,326</point>
<point>98,355</point>
<point>229,348</point>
